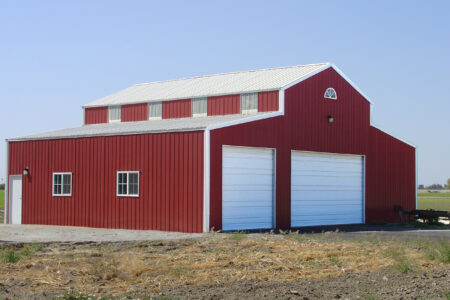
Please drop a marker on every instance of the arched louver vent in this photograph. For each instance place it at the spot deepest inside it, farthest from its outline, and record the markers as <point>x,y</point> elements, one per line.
<point>330,93</point>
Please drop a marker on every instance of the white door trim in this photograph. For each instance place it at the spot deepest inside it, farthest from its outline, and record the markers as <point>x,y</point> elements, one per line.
<point>11,191</point>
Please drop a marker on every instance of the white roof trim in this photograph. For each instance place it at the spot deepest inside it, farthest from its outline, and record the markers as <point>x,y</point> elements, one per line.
<point>246,120</point>
<point>328,65</point>
<point>271,79</point>
<point>394,136</point>
<point>145,127</point>
<point>306,77</point>
<point>351,83</point>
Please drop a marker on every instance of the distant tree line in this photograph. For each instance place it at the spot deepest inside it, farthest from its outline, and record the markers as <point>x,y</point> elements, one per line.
<point>2,186</point>
<point>435,186</point>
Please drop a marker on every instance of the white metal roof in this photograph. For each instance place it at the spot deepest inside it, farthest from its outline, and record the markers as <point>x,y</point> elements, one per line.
<point>211,85</point>
<point>125,128</point>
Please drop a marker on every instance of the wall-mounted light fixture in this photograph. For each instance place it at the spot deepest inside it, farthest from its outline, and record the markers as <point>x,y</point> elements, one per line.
<point>330,119</point>
<point>26,171</point>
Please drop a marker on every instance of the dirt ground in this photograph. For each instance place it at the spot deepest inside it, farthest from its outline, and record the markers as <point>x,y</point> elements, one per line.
<point>230,266</point>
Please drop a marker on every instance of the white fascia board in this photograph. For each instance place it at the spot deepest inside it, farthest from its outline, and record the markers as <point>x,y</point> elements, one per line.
<point>351,83</point>
<point>104,134</point>
<point>394,136</point>
<point>328,65</point>
<point>246,120</point>
<point>6,198</point>
<point>339,71</point>
<point>206,181</point>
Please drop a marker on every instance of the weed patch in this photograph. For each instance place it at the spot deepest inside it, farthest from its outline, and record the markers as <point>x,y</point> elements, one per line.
<point>31,249</point>
<point>10,255</point>
<point>439,252</point>
<point>402,263</point>
<point>73,296</point>
<point>369,297</point>
<point>238,236</point>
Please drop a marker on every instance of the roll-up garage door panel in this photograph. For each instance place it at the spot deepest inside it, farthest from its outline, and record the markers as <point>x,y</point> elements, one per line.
<point>247,190</point>
<point>326,189</point>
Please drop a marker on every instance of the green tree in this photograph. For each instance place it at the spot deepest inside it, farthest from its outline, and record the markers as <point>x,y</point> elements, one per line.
<point>448,183</point>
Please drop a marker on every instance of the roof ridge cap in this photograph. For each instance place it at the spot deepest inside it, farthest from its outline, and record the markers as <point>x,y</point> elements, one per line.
<point>230,73</point>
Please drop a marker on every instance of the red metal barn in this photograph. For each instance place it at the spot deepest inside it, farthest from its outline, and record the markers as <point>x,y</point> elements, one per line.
<point>274,148</point>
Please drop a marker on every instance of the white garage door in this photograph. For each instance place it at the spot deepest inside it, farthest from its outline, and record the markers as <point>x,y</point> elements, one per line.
<point>247,188</point>
<point>326,189</point>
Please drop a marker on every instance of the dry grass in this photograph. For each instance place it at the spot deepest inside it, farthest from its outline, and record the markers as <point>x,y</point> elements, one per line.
<point>223,259</point>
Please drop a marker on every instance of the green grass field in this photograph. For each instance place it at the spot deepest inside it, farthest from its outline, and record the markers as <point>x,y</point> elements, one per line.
<point>434,203</point>
<point>433,194</point>
<point>2,199</point>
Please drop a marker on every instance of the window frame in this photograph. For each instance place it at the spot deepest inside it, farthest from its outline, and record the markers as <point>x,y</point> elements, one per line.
<point>127,183</point>
<point>109,113</point>
<point>327,97</point>
<point>152,118</point>
<point>249,111</point>
<point>62,184</point>
<point>202,114</point>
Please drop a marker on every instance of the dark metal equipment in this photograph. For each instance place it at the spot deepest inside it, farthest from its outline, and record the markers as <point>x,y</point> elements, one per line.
<point>430,216</point>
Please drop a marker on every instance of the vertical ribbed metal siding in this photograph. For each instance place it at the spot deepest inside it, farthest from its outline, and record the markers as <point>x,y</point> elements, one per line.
<point>134,112</point>
<point>390,173</point>
<point>177,109</point>
<point>224,105</point>
<point>304,126</point>
<point>268,101</point>
<point>96,115</point>
<point>171,181</point>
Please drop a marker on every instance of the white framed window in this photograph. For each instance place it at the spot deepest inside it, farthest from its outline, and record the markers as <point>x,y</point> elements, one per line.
<point>200,107</point>
<point>114,114</point>
<point>128,183</point>
<point>62,184</point>
<point>249,103</point>
<point>330,93</point>
<point>155,111</point>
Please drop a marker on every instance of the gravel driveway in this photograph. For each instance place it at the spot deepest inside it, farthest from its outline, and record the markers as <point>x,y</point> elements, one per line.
<point>47,233</point>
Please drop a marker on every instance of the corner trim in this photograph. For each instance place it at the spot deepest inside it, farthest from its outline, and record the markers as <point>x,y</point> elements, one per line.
<point>206,180</point>
<point>6,213</point>
<point>84,115</point>
<point>417,178</point>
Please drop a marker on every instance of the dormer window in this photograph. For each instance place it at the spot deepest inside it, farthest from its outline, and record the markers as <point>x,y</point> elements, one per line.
<point>330,93</point>
<point>199,107</point>
<point>249,103</point>
<point>114,114</point>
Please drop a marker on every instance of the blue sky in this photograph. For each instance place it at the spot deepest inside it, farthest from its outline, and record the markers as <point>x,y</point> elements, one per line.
<point>56,56</point>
